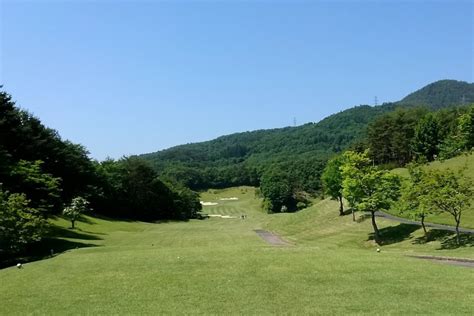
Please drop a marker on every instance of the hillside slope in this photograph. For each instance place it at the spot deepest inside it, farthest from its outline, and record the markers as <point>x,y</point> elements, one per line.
<point>457,163</point>
<point>441,94</point>
<point>240,159</point>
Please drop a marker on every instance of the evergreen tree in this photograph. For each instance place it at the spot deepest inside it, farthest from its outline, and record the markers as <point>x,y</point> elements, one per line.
<point>426,141</point>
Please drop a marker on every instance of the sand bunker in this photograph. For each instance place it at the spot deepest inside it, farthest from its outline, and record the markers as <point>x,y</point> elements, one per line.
<point>208,203</point>
<point>221,216</point>
<point>229,199</point>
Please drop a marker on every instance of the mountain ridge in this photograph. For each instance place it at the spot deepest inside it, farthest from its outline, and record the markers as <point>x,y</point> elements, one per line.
<point>240,158</point>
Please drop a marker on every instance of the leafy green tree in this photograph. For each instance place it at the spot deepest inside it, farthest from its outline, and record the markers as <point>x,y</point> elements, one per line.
<point>449,192</point>
<point>277,190</point>
<point>414,196</point>
<point>332,181</point>
<point>352,163</point>
<point>41,188</point>
<point>369,188</point>
<point>74,211</point>
<point>461,137</point>
<point>427,139</point>
<point>20,224</point>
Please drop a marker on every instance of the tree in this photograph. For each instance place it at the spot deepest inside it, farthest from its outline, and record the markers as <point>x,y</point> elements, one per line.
<point>369,188</point>
<point>20,224</point>
<point>277,190</point>
<point>426,141</point>
<point>449,192</point>
<point>461,137</point>
<point>352,163</point>
<point>78,206</point>
<point>41,188</point>
<point>332,181</point>
<point>414,196</point>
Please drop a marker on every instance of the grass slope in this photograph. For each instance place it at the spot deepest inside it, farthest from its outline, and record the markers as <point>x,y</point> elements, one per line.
<point>457,163</point>
<point>220,266</point>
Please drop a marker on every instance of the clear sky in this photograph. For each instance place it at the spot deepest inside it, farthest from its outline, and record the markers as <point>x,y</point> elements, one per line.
<point>133,77</point>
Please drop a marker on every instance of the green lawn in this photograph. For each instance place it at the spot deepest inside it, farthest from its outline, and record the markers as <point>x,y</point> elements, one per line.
<point>463,161</point>
<point>220,266</point>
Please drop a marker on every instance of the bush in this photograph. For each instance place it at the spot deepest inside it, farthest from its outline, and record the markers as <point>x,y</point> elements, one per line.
<point>20,224</point>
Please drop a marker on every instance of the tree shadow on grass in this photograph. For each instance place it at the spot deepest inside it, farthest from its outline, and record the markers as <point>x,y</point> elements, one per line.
<point>61,232</point>
<point>50,246</point>
<point>446,238</point>
<point>394,234</point>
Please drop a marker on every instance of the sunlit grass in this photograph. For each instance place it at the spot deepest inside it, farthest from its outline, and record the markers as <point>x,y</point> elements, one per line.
<point>220,266</point>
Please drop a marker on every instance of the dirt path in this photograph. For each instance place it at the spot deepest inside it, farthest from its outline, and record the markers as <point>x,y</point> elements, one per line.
<point>410,222</point>
<point>447,260</point>
<point>271,238</point>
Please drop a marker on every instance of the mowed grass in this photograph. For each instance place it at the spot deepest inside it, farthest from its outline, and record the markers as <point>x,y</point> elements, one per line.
<point>220,266</point>
<point>465,162</point>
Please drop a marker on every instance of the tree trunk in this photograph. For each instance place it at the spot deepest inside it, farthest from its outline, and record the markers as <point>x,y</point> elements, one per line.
<point>423,224</point>
<point>353,215</point>
<point>376,229</point>
<point>458,239</point>
<point>72,223</point>
<point>341,207</point>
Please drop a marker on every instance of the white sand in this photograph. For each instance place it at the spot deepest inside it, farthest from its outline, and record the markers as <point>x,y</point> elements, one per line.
<point>229,199</point>
<point>221,216</point>
<point>208,203</point>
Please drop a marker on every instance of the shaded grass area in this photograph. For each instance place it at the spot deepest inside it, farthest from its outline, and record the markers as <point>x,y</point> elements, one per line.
<point>221,266</point>
<point>58,240</point>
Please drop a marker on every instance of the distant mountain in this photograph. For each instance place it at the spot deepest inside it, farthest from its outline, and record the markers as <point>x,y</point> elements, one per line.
<point>241,158</point>
<point>441,94</point>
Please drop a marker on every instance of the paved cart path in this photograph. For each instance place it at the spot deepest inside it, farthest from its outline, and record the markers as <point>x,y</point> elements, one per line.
<point>432,225</point>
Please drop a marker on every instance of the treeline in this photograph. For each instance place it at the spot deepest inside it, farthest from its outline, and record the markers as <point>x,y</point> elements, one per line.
<point>243,158</point>
<point>417,134</point>
<point>40,174</point>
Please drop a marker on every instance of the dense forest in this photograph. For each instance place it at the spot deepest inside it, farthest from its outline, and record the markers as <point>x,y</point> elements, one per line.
<point>41,175</point>
<point>302,151</point>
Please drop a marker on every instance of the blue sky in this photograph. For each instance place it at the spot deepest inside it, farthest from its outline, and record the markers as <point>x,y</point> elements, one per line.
<point>133,77</point>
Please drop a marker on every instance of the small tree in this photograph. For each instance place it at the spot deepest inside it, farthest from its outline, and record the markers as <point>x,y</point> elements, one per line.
<point>332,181</point>
<point>449,192</point>
<point>414,197</point>
<point>19,223</point>
<point>369,188</point>
<point>78,206</point>
<point>352,163</point>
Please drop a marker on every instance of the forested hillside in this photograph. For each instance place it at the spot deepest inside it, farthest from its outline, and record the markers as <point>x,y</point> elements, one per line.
<point>242,158</point>
<point>43,175</point>
<point>442,93</point>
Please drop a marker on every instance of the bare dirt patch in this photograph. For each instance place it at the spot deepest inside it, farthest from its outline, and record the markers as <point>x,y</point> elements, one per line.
<point>271,238</point>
